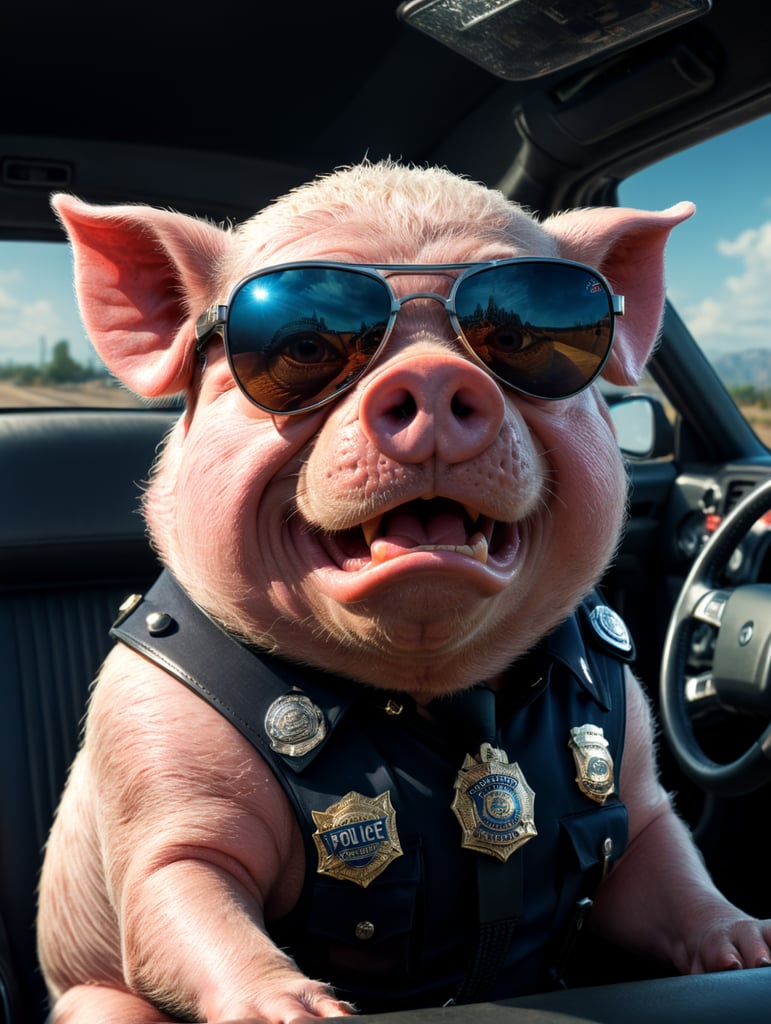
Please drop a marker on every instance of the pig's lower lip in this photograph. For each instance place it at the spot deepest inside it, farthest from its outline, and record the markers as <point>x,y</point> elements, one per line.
<point>486,556</point>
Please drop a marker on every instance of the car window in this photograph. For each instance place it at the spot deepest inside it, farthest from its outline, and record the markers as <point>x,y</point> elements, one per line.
<point>719,262</point>
<point>46,358</point>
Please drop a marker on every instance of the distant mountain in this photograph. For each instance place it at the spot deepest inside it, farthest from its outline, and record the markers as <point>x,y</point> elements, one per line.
<point>752,366</point>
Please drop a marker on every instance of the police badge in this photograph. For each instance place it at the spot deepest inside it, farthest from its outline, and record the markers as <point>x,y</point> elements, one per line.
<point>294,725</point>
<point>493,804</point>
<point>593,762</point>
<point>356,838</point>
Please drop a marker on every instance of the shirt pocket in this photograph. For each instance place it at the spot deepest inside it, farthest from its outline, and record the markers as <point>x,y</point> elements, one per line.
<point>591,843</point>
<point>368,931</point>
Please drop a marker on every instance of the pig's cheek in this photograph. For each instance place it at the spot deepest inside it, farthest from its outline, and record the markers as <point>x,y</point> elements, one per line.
<point>587,482</point>
<point>230,481</point>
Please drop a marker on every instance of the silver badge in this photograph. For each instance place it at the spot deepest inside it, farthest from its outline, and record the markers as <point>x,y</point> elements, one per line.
<point>611,628</point>
<point>594,764</point>
<point>356,838</point>
<point>294,725</point>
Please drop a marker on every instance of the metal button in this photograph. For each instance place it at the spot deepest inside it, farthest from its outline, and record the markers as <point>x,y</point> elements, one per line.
<point>364,930</point>
<point>127,608</point>
<point>130,603</point>
<point>158,623</point>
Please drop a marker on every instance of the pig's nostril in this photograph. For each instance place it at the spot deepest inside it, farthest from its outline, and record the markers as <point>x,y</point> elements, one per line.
<point>460,409</point>
<point>403,411</point>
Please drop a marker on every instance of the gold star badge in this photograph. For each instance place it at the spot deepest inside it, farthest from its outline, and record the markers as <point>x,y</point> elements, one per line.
<point>356,838</point>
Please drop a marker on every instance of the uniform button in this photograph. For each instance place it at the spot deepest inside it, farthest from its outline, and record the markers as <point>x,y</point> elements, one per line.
<point>158,623</point>
<point>364,930</point>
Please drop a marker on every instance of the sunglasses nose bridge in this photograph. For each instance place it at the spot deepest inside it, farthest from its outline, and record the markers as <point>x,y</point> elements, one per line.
<point>399,301</point>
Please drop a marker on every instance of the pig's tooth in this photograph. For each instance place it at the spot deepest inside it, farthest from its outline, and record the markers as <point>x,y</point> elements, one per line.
<point>370,529</point>
<point>478,546</point>
<point>471,512</point>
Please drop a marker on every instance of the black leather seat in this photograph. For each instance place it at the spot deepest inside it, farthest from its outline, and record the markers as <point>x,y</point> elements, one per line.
<point>72,546</point>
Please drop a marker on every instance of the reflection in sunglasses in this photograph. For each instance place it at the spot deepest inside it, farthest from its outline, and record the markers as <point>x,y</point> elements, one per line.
<point>305,362</point>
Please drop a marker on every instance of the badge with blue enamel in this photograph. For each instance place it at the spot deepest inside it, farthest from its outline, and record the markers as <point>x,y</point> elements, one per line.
<point>594,764</point>
<point>493,804</point>
<point>356,838</point>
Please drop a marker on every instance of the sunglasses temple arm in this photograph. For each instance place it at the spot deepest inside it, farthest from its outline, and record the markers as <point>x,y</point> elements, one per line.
<point>618,304</point>
<point>210,321</point>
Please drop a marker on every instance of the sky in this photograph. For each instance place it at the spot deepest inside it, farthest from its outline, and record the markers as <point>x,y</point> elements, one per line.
<point>718,262</point>
<point>37,303</point>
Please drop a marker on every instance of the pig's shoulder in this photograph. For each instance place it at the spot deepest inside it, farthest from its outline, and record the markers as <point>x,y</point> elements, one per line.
<point>140,695</point>
<point>143,717</point>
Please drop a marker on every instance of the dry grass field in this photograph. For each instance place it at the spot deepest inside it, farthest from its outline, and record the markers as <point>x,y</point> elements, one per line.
<point>760,421</point>
<point>93,394</point>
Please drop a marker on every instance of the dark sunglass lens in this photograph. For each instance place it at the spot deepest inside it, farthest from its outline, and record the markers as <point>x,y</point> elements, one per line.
<point>301,335</point>
<point>544,328</point>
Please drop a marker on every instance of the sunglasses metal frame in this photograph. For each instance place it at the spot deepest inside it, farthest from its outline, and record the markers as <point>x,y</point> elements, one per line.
<point>215,318</point>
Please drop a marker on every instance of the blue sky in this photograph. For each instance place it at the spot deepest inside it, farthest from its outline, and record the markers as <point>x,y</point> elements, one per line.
<point>37,303</point>
<point>718,263</point>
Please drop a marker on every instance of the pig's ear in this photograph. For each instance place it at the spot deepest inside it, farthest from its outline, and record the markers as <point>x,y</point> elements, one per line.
<point>140,275</point>
<point>627,246</point>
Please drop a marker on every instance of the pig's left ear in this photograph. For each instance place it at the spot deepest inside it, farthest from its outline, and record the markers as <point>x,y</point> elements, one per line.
<point>627,246</point>
<point>140,275</point>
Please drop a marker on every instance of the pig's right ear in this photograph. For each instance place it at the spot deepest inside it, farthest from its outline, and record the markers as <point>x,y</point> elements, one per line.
<point>141,276</point>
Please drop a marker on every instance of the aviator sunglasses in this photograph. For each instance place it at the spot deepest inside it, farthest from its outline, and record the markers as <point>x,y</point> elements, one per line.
<point>297,335</point>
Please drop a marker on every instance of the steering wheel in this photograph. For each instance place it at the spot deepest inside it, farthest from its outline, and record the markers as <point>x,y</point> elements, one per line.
<point>740,677</point>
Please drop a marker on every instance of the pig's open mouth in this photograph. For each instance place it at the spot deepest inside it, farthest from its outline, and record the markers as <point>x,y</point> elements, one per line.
<point>436,524</point>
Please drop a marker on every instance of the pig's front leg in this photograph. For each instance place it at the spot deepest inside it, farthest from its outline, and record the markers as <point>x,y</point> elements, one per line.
<point>659,899</point>
<point>199,844</point>
<point>207,956</point>
<point>106,1005</point>
<point>98,1003</point>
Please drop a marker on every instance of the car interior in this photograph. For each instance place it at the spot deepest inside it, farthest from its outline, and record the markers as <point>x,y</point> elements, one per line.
<point>215,113</point>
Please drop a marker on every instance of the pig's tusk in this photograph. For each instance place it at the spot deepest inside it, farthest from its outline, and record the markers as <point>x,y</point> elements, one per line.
<point>370,529</point>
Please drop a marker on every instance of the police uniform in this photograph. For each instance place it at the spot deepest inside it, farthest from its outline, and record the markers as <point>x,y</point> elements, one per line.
<point>446,856</point>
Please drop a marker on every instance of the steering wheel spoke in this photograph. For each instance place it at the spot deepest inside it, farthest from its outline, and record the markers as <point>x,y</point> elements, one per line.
<point>710,607</point>
<point>700,692</point>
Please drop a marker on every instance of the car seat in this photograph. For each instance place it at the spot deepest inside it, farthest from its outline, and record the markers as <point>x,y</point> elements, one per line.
<point>72,546</point>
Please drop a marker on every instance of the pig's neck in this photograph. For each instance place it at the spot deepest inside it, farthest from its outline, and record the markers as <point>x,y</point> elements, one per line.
<point>424,700</point>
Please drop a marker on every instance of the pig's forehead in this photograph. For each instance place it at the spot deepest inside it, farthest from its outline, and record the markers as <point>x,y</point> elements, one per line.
<point>362,239</point>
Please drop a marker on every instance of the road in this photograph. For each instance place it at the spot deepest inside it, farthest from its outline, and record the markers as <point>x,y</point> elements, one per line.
<point>91,394</point>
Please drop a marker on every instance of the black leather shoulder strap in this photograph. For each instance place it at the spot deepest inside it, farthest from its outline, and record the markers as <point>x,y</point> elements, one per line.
<point>168,628</point>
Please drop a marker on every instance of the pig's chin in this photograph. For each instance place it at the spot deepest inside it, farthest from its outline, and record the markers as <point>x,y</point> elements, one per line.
<point>420,537</point>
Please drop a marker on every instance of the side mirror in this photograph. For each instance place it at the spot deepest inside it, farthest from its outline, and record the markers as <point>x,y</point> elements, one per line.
<point>642,427</point>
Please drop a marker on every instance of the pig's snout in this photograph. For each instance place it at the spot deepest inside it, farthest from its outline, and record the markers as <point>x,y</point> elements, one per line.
<point>432,406</point>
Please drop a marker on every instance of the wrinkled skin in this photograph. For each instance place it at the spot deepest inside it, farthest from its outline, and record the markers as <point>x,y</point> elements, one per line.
<point>339,537</point>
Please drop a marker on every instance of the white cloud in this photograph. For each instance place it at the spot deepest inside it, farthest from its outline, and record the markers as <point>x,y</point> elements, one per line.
<point>36,305</point>
<point>738,315</point>
<point>27,329</point>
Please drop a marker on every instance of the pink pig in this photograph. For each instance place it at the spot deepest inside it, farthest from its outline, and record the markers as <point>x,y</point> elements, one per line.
<point>416,536</point>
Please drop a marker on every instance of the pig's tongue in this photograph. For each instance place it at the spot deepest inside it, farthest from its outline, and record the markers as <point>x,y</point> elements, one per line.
<point>404,530</point>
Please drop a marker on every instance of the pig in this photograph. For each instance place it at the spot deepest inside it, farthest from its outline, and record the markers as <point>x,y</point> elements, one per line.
<point>417,538</point>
